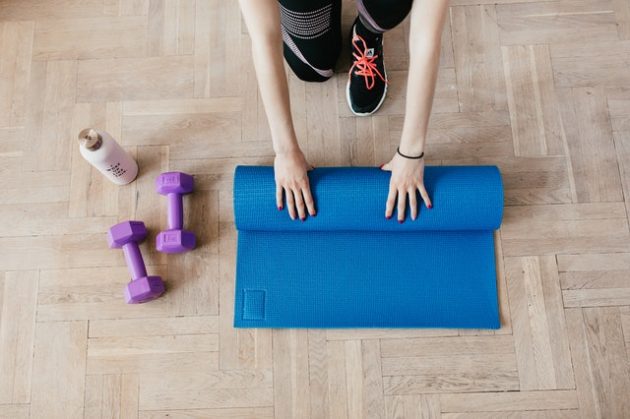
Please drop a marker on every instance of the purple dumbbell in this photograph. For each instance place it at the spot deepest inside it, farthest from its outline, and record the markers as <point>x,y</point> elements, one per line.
<point>142,288</point>
<point>175,239</point>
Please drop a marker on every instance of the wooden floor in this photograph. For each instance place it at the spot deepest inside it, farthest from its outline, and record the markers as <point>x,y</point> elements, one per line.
<point>540,88</point>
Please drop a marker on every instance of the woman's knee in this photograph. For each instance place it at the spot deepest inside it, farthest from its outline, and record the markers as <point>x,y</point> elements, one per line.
<point>383,15</point>
<point>302,69</point>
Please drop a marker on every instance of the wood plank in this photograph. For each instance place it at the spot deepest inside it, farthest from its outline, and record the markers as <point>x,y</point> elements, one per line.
<point>55,252</point>
<point>228,413</point>
<point>590,145</point>
<point>501,402</point>
<point>197,325</point>
<point>52,91</point>
<point>138,345</point>
<point>622,13</point>
<point>516,414</point>
<point>171,26</point>
<point>602,375</point>
<point>491,381</point>
<point>101,37</point>
<point>59,366</point>
<point>14,411</point>
<point>206,389</point>
<point>596,297</point>
<point>291,384</point>
<point>111,396</point>
<point>449,364</point>
<point>564,229</point>
<point>595,279</point>
<point>426,406</point>
<point>480,80</point>
<point>148,363</point>
<point>45,9</point>
<point>563,20</point>
<point>581,64</point>
<point>216,49</point>
<point>542,348</point>
<point>322,127</point>
<point>535,117</point>
<point>318,373</point>
<point>32,187</point>
<point>17,328</point>
<point>135,78</point>
<point>16,43</point>
<point>47,219</point>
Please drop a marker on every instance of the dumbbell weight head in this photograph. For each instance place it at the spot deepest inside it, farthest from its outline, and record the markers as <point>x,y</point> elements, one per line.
<point>175,239</point>
<point>174,182</point>
<point>142,288</point>
<point>126,232</point>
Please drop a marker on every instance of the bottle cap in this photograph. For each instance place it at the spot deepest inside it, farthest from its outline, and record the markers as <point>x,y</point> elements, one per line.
<point>90,139</point>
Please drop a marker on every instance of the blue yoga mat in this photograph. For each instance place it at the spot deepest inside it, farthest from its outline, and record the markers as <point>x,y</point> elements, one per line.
<point>350,267</point>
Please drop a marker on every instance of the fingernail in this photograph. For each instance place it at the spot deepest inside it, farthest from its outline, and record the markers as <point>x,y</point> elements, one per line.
<point>401,221</point>
<point>315,215</point>
<point>430,206</point>
<point>280,208</point>
<point>388,217</point>
<point>303,218</point>
<point>381,166</point>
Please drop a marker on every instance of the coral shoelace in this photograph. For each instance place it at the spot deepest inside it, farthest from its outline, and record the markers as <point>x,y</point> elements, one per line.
<point>364,64</point>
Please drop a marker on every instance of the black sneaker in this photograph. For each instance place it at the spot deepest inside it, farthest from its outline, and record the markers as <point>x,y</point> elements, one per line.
<point>367,79</point>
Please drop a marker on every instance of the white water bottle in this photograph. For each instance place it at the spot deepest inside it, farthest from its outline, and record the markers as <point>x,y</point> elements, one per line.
<point>104,153</point>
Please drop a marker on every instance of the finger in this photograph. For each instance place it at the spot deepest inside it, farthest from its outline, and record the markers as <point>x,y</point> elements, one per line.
<point>402,202</point>
<point>290,203</point>
<point>279,197</point>
<point>425,196</point>
<point>413,204</point>
<point>299,203</point>
<point>391,201</point>
<point>308,200</point>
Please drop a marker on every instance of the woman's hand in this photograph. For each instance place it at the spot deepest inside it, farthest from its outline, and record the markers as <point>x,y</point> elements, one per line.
<point>292,181</point>
<point>406,181</point>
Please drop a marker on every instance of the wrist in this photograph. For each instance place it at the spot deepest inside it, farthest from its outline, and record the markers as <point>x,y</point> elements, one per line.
<point>288,151</point>
<point>411,145</point>
<point>286,147</point>
<point>411,149</point>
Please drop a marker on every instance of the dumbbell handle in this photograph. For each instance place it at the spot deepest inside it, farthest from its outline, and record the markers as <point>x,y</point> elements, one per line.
<point>135,263</point>
<point>175,211</point>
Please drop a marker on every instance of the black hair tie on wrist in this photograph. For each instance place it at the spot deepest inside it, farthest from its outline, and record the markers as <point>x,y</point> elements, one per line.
<point>410,157</point>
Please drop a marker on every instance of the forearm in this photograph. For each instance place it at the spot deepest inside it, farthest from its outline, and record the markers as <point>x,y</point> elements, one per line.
<point>263,21</point>
<point>427,21</point>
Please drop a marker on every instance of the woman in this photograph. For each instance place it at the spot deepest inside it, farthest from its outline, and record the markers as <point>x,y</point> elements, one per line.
<point>308,34</point>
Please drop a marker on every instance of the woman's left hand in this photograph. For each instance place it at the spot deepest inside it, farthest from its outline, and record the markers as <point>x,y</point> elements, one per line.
<point>406,181</point>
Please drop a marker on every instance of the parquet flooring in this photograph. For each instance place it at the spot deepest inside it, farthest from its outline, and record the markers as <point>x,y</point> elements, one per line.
<point>540,88</point>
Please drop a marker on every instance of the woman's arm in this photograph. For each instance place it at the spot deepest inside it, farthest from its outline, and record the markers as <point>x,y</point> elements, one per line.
<point>427,21</point>
<point>263,22</point>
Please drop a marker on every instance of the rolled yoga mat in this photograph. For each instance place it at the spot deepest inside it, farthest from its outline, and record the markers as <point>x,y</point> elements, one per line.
<point>350,267</point>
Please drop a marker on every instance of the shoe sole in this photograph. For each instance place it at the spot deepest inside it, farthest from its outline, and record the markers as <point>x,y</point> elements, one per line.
<point>365,113</point>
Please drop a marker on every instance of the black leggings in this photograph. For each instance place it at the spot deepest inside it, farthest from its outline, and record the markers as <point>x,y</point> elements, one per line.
<point>311,31</point>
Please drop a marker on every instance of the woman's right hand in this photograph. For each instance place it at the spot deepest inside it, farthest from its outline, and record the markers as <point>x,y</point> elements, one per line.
<point>292,184</point>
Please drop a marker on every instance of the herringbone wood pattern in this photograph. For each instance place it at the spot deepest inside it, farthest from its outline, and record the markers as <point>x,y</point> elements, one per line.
<point>541,88</point>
